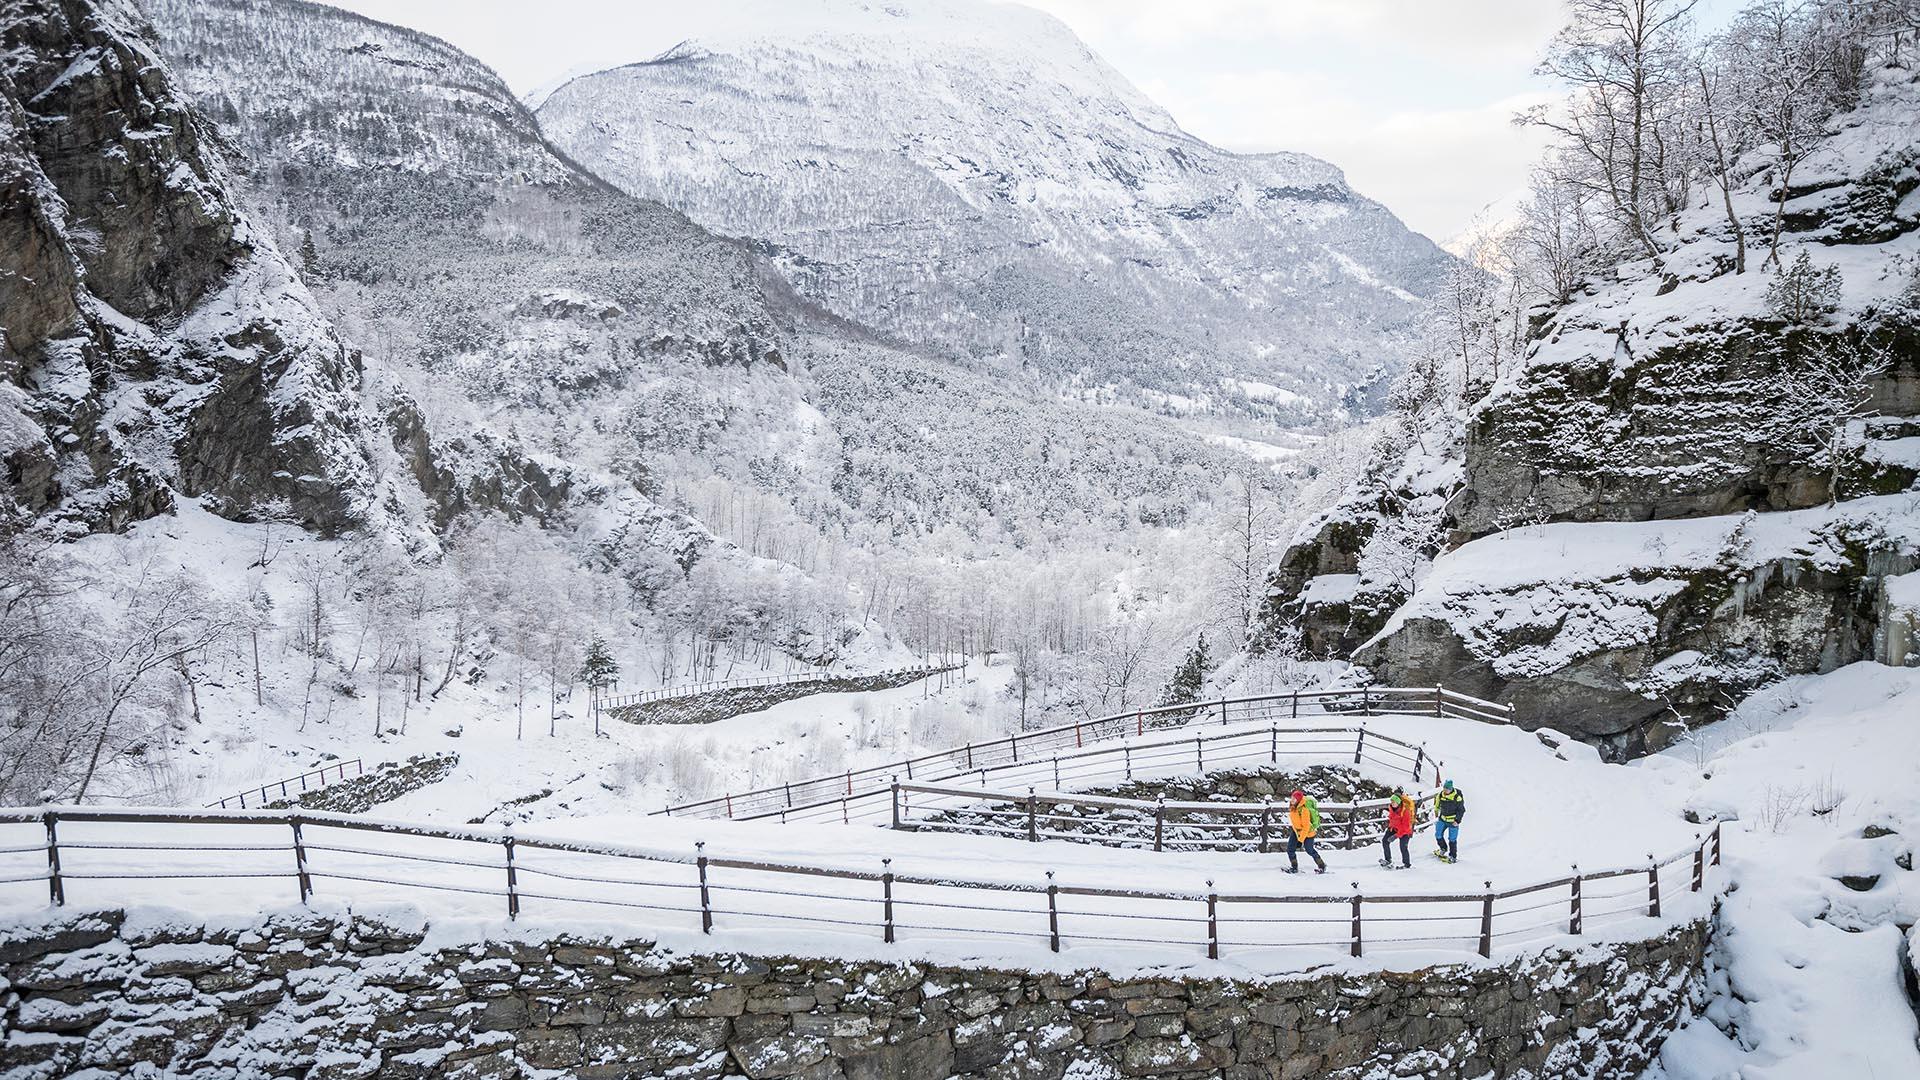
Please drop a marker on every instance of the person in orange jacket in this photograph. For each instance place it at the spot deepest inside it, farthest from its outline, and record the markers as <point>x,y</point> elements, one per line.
<point>1399,826</point>
<point>1303,813</point>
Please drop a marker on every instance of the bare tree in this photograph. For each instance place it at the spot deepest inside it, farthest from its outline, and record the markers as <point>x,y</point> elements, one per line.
<point>1822,390</point>
<point>1622,129</point>
<point>1786,93</point>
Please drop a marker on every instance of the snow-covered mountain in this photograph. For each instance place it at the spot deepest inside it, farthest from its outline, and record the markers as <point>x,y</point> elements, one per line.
<point>504,295</point>
<point>970,175</point>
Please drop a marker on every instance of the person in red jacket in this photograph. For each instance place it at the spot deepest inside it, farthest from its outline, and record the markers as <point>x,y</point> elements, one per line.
<point>1399,825</point>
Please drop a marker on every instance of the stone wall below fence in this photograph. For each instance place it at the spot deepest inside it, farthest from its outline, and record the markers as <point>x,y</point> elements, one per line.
<point>333,996</point>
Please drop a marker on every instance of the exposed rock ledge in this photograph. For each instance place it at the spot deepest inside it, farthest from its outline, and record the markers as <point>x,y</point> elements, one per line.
<point>351,996</point>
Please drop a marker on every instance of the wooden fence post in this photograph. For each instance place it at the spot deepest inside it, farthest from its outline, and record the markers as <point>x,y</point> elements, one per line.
<point>1033,825</point>
<point>1266,823</point>
<point>1127,751</point>
<point>1356,918</point>
<point>969,757</point>
<point>896,802</point>
<point>1699,862</point>
<point>1159,821</point>
<point>1653,888</point>
<point>706,901</point>
<point>1419,760</point>
<point>1486,922</point>
<point>1199,759</point>
<point>1056,772</point>
<point>1716,843</point>
<point>1437,699</point>
<point>300,860</point>
<point>1273,746</point>
<point>1296,704</point>
<point>1053,913</point>
<point>1223,712</point>
<point>1213,922</point>
<point>56,889</point>
<point>1360,744</point>
<point>1364,710</point>
<point>1573,919</point>
<point>513,881</point>
<point>886,897</point>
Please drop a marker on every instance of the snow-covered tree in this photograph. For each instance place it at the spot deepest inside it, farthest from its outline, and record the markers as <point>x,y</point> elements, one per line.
<point>1802,293</point>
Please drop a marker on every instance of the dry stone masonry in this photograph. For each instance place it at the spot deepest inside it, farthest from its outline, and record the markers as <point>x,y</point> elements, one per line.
<point>329,996</point>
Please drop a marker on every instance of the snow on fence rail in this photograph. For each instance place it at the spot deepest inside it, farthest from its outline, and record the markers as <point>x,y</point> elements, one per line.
<point>1170,752</point>
<point>480,871</point>
<point>286,788</point>
<point>875,782</point>
<point>622,701</point>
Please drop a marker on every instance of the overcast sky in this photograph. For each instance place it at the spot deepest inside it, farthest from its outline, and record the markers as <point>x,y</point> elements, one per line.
<point>1413,98</point>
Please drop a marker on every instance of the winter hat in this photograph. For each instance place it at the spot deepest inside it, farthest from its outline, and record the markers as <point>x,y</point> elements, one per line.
<point>1298,794</point>
<point>1448,785</point>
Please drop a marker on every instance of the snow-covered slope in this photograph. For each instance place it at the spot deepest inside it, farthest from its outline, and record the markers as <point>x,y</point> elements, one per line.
<point>969,174</point>
<point>1812,964</point>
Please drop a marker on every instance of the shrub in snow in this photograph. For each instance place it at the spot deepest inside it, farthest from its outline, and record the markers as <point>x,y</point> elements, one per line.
<point>1803,293</point>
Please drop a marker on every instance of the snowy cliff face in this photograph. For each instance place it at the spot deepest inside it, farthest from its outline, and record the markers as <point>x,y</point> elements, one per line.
<point>155,340</point>
<point>970,175</point>
<point>1649,514</point>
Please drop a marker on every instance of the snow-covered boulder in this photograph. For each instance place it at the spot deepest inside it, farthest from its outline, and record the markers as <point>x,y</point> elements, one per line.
<point>1604,630</point>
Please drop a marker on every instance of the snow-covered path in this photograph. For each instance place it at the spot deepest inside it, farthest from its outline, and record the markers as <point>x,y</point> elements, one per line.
<point>1531,814</point>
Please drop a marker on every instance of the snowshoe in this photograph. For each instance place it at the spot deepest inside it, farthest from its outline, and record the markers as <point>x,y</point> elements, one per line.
<point>1320,870</point>
<point>1289,869</point>
<point>1443,856</point>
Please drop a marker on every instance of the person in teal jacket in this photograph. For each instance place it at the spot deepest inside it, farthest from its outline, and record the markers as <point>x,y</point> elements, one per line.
<point>1448,808</point>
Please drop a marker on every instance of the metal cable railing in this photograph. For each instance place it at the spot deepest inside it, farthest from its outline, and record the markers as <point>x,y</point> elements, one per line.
<point>287,788</point>
<point>359,858</point>
<point>876,780</point>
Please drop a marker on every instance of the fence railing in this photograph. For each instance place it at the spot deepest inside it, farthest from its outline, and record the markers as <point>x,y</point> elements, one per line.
<point>291,786</point>
<point>1165,752</point>
<point>1159,824</point>
<point>359,858</point>
<point>623,701</point>
<point>876,781</point>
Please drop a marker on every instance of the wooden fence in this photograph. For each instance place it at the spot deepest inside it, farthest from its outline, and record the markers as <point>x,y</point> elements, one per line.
<point>876,781</point>
<point>287,789</point>
<point>59,848</point>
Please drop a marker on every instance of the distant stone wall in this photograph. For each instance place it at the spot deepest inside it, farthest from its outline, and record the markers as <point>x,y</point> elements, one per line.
<point>736,701</point>
<point>326,998</point>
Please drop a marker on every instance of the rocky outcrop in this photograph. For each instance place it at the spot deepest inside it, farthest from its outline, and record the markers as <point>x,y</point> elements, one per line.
<point>1683,430</point>
<point>479,471</point>
<point>155,341</point>
<point>338,996</point>
<point>1623,635</point>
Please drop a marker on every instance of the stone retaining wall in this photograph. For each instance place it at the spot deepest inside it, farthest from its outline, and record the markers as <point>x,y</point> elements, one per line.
<point>740,700</point>
<point>325,997</point>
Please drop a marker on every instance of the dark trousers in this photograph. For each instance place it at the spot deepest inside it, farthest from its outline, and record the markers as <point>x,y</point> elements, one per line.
<point>1294,844</point>
<point>1386,849</point>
